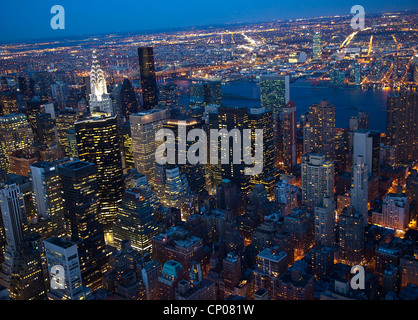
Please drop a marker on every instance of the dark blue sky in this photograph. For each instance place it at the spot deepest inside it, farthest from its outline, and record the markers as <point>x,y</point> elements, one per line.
<point>30,19</point>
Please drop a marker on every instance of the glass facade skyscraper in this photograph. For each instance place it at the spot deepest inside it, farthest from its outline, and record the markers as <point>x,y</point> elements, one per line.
<point>98,143</point>
<point>148,80</point>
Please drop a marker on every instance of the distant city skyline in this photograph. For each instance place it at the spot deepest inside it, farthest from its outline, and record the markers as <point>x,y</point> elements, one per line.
<point>29,21</point>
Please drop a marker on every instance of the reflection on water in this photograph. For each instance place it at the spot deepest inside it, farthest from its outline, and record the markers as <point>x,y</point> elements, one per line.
<point>348,101</point>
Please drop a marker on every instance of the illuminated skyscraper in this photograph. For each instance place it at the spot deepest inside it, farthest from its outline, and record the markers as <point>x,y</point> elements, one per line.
<point>27,281</point>
<point>359,187</point>
<point>395,210</point>
<point>351,236</point>
<point>100,100</point>
<point>47,197</point>
<point>46,129</point>
<point>127,149</point>
<point>262,119</point>
<point>128,101</point>
<point>32,109</point>
<point>15,227</point>
<point>317,51</point>
<point>289,136</point>
<point>320,135</point>
<point>144,126</point>
<point>317,179</point>
<point>135,221</point>
<point>325,222</point>
<point>169,95</point>
<point>148,80</point>
<point>195,173</point>
<point>80,189</point>
<point>275,92</point>
<point>98,143</point>
<point>62,253</point>
<point>401,127</point>
<point>206,93</point>
<point>15,133</point>
<point>366,143</point>
<point>65,120</point>
<point>8,103</point>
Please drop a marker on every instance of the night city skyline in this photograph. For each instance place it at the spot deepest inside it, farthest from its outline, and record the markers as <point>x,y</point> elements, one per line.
<point>205,157</point>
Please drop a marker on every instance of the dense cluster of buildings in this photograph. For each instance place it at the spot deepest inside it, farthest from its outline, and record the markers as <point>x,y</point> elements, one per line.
<point>88,213</point>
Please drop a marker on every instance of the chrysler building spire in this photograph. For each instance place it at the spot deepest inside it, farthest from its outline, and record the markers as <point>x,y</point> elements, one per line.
<point>99,98</point>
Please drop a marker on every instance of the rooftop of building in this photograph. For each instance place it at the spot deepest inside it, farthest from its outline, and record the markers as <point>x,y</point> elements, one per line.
<point>60,242</point>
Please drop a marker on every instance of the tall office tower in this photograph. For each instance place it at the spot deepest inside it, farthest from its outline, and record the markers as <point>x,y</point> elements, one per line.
<point>289,136</point>
<point>134,179</point>
<point>206,93</point>
<point>228,196</point>
<point>128,101</point>
<point>195,173</point>
<point>342,151</point>
<point>366,143</point>
<point>80,189</point>
<point>169,95</point>
<point>325,222</point>
<point>262,119</point>
<point>197,94</point>
<point>8,103</point>
<point>148,79</point>
<point>317,179</point>
<point>395,210</point>
<point>359,121</point>
<point>16,134</point>
<point>402,125</point>
<point>65,120</point>
<point>351,236</point>
<point>173,186</point>
<point>32,109</point>
<point>47,198</point>
<point>317,48</point>
<point>231,272</point>
<point>61,253</point>
<point>231,118</point>
<point>27,281</point>
<point>98,143</point>
<point>59,93</point>
<point>72,149</point>
<point>15,225</point>
<point>144,126</point>
<point>286,197</point>
<point>321,129</point>
<point>135,221</point>
<point>127,150</point>
<point>46,129</point>
<point>212,92</point>
<point>275,92</point>
<point>100,100</point>
<point>359,193</point>
<point>271,263</point>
